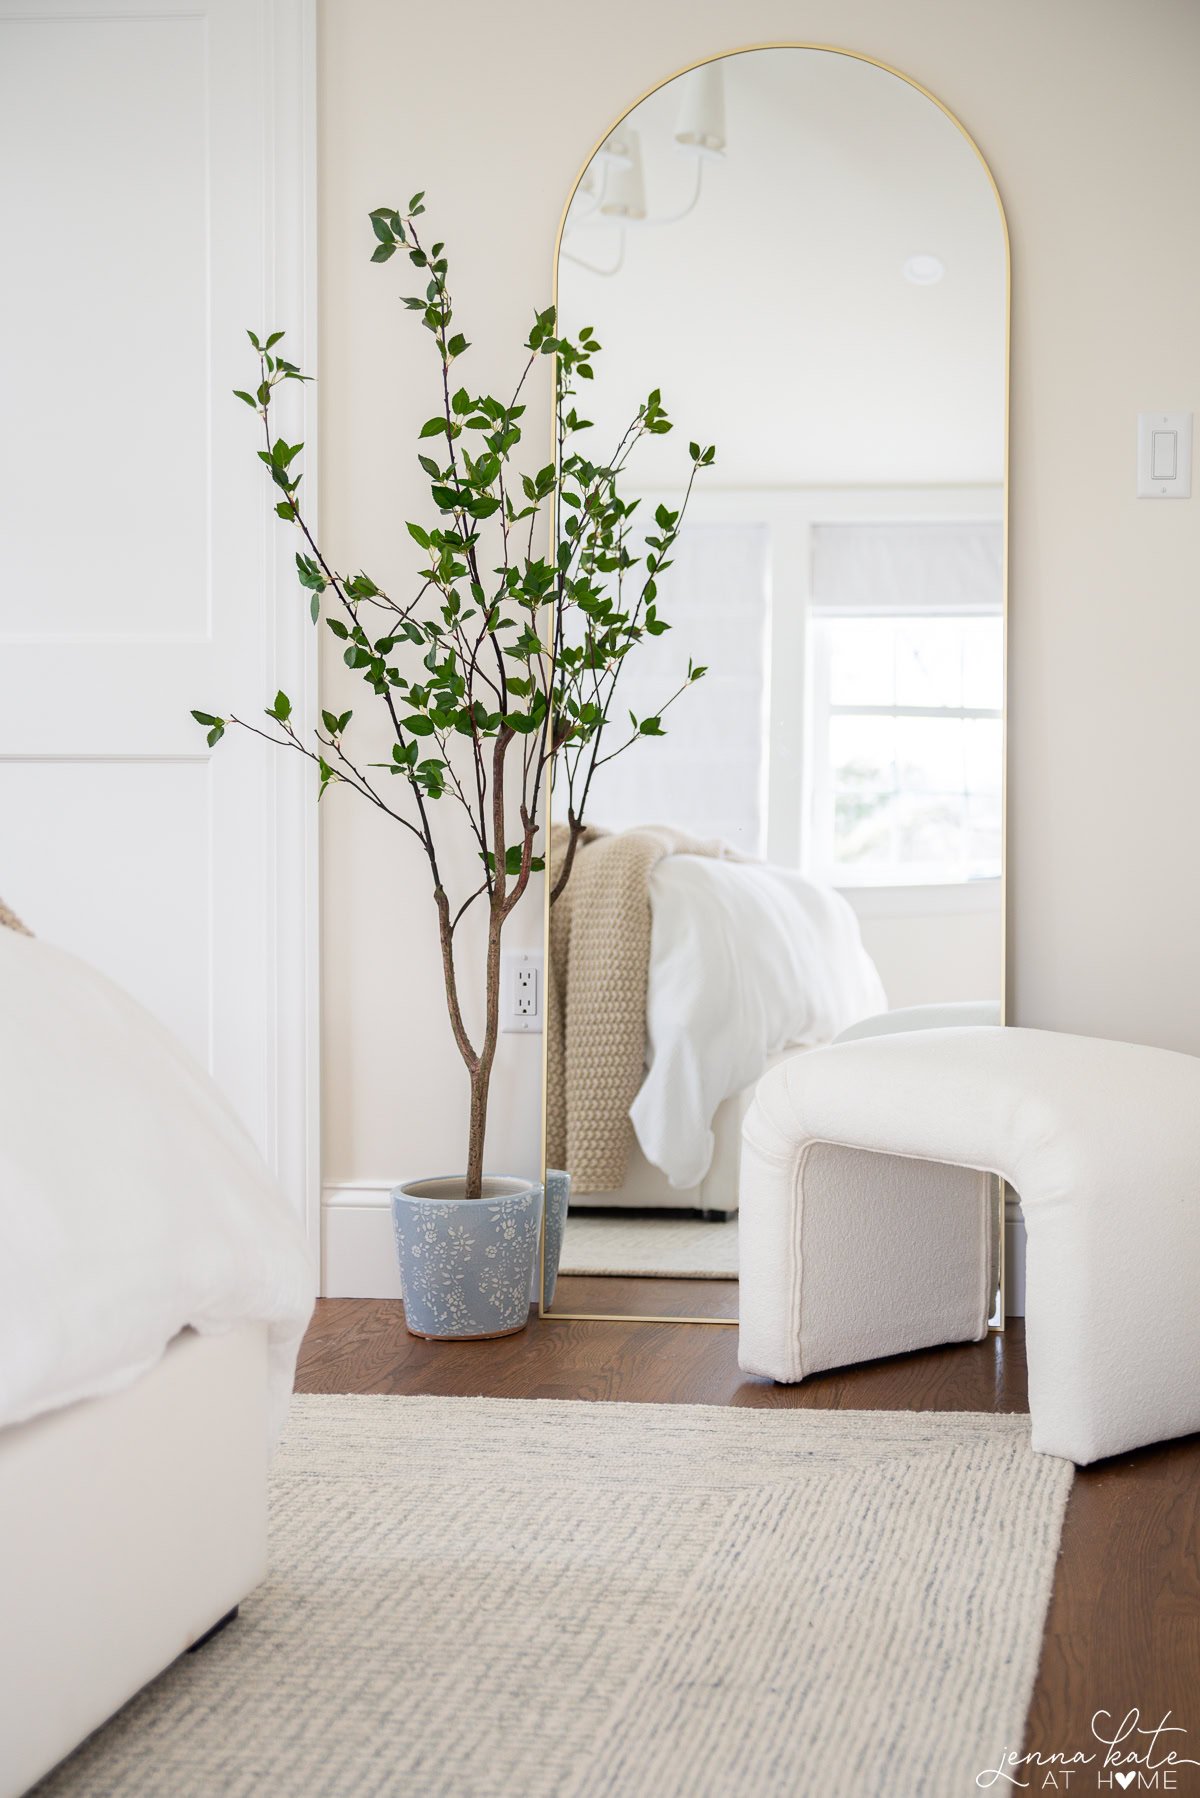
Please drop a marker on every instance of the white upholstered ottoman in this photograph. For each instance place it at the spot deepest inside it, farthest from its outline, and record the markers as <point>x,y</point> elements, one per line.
<point>1102,1142</point>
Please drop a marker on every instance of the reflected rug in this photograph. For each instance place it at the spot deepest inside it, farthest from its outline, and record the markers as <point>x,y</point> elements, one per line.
<point>684,1248</point>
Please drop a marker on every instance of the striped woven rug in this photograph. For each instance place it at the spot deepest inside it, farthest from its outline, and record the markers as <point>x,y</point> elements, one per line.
<point>482,1598</point>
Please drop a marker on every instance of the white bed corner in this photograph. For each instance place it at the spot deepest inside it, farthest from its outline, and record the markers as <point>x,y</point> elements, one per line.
<point>154,1290</point>
<point>138,1521</point>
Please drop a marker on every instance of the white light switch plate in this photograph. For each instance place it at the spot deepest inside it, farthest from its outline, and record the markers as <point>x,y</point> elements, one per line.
<point>1164,455</point>
<point>521,990</point>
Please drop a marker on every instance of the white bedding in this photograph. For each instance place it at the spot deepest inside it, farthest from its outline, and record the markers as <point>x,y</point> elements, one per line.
<point>745,960</point>
<point>132,1202</point>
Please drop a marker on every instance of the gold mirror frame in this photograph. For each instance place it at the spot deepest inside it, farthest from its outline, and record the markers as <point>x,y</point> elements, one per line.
<point>888,68</point>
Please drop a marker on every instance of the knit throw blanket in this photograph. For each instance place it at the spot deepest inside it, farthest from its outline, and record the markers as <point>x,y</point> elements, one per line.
<point>596,996</point>
<point>10,921</point>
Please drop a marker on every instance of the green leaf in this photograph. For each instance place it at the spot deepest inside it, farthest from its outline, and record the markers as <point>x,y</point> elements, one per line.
<point>309,573</point>
<point>248,397</point>
<point>416,726</point>
<point>361,586</point>
<point>651,727</point>
<point>337,627</point>
<point>419,535</point>
<point>433,427</point>
<point>206,718</point>
<point>215,734</point>
<point>314,608</point>
<point>383,252</point>
<point>282,709</point>
<point>381,228</point>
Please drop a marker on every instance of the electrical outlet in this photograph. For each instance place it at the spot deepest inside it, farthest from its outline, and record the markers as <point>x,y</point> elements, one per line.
<point>521,990</point>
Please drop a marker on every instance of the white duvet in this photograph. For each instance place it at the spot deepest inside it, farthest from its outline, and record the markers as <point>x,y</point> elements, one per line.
<point>745,960</point>
<point>132,1202</point>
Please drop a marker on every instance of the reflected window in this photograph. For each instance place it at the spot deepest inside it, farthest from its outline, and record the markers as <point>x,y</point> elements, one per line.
<point>907,748</point>
<point>906,694</point>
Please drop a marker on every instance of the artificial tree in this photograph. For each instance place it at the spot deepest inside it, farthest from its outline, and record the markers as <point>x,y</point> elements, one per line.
<point>502,661</point>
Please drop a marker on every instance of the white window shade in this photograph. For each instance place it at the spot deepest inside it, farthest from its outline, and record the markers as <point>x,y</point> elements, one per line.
<point>707,775</point>
<point>919,569</point>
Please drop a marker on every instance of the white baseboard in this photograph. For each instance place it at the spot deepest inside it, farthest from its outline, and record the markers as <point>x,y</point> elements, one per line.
<point>358,1257</point>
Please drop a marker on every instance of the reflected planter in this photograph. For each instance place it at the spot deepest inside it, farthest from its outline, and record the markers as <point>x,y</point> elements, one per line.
<point>466,1265</point>
<point>558,1198</point>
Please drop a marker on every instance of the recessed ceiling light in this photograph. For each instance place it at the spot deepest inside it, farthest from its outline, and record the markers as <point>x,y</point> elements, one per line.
<point>923,271</point>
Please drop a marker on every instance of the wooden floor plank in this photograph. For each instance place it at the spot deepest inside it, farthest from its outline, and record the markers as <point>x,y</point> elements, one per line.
<point>648,1297</point>
<point>1123,1629</point>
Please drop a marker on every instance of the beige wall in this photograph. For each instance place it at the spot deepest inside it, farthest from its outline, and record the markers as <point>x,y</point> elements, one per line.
<point>492,108</point>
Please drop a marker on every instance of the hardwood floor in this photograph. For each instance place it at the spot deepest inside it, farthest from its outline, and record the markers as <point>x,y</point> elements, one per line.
<point>593,1294</point>
<point>1123,1629</point>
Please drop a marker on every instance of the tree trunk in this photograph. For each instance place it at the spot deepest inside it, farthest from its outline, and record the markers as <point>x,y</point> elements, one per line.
<point>481,1073</point>
<point>477,1132</point>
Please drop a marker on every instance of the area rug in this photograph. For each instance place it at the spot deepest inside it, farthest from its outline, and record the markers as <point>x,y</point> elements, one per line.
<point>685,1248</point>
<point>485,1598</point>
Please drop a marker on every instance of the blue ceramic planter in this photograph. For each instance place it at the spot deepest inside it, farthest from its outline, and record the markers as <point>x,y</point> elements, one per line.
<point>466,1265</point>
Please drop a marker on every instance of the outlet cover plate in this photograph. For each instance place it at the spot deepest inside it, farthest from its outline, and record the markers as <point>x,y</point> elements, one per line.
<point>521,991</point>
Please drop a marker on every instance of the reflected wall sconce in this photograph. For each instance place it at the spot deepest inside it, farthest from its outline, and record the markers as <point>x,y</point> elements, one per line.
<point>612,190</point>
<point>701,128</point>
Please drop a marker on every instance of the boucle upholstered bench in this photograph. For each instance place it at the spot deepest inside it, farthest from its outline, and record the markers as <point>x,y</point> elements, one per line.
<point>1102,1142</point>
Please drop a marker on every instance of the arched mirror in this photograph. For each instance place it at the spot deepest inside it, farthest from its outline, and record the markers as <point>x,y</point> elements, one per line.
<point>778,812</point>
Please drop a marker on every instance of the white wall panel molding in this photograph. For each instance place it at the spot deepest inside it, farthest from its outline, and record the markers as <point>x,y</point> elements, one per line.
<point>157,197</point>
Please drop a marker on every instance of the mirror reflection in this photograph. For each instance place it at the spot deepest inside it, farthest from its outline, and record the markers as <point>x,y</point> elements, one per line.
<point>778,813</point>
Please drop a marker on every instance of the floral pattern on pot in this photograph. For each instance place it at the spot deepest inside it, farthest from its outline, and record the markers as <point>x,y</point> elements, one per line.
<point>466,1265</point>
